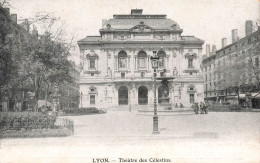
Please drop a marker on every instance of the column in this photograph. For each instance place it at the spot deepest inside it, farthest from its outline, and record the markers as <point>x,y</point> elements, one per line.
<point>167,62</point>
<point>128,62</point>
<point>132,62</point>
<point>135,62</point>
<point>115,62</point>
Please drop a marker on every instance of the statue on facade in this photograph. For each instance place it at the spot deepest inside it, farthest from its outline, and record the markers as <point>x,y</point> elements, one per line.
<point>175,71</point>
<point>109,72</point>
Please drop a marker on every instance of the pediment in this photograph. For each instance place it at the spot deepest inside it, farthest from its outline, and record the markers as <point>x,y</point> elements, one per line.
<point>92,55</point>
<point>141,28</point>
<point>191,55</point>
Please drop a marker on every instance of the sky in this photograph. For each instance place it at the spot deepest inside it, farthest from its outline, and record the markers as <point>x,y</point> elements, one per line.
<point>209,20</point>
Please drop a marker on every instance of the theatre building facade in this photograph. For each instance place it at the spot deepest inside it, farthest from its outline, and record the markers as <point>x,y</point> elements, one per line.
<point>116,69</point>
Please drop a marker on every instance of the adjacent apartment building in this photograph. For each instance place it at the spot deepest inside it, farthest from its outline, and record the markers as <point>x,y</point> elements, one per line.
<point>231,74</point>
<point>116,68</point>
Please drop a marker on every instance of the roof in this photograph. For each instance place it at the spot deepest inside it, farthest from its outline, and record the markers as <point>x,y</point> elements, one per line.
<point>191,38</point>
<point>91,39</point>
<point>130,23</point>
<point>240,40</point>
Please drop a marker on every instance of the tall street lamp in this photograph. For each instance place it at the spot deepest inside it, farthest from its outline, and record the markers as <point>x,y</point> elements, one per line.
<point>155,60</point>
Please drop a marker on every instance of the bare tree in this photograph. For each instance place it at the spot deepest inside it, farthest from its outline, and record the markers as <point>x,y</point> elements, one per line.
<point>5,3</point>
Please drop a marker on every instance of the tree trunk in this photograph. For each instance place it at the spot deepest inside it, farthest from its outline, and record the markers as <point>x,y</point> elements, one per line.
<point>37,91</point>
<point>238,97</point>
<point>46,95</point>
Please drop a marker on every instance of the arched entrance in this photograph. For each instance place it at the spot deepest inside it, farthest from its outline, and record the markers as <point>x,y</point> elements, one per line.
<point>123,95</point>
<point>142,95</point>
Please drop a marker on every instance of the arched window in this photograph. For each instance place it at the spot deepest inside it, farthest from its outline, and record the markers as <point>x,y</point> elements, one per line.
<point>161,55</point>
<point>142,59</point>
<point>122,56</point>
<point>92,90</point>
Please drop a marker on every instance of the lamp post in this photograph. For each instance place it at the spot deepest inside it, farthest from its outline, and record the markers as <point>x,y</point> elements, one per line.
<point>155,60</point>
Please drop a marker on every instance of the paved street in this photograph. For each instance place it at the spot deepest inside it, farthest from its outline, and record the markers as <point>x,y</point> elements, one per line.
<point>216,137</point>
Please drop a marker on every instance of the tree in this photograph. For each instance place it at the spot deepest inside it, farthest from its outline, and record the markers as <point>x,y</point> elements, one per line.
<point>4,3</point>
<point>38,61</point>
<point>48,61</point>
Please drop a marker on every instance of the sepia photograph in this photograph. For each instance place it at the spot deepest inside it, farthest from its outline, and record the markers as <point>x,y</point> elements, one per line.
<point>129,81</point>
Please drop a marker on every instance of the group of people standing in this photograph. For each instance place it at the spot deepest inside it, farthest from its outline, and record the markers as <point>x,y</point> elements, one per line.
<point>202,107</point>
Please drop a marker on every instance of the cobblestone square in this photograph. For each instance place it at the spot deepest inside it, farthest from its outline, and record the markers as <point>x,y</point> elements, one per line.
<point>215,137</point>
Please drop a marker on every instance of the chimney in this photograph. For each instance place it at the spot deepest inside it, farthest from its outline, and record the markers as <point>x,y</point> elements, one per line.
<point>214,49</point>
<point>249,27</point>
<point>14,18</point>
<point>104,21</point>
<point>234,35</point>
<point>207,49</point>
<point>224,42</point>
<point>136,11</point>
<point>26,25</point>
<point>35,31</point>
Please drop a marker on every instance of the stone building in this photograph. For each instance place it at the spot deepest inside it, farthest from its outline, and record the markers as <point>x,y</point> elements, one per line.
<point>12,36</point>
<point>232,72</point>
<point>116,68</point>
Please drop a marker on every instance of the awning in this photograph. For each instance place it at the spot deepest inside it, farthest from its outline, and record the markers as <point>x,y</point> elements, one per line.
<point>230,97</point>
<point>42,103</point>
<point>242,95</point>
<point>255,95</point>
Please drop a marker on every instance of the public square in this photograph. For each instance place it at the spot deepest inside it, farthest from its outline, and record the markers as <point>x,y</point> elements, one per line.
<point>184,137</point>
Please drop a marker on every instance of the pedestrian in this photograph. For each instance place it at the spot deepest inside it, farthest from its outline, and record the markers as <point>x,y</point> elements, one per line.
<point>206,107</point>
<point>196,108</point>
<point>201,108</point>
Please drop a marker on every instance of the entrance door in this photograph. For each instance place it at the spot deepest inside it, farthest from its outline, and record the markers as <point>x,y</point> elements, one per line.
<point>123,95</point>
<point>142,95</point>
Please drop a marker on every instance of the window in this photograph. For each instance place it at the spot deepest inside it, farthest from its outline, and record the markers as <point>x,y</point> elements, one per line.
<point>92,58</point>
<point>92,74</point>
<point>142,59</point>
<point>92,99</point>
<point>161,55</point>
<point>161,74</point>
<point>257,62</point>
<point>249,41</point>
<point>190,63</point>
<point>122,75</point>
<point>191,88</point>
<point>190,73</point>
<point>209,67</point>
<point>122,56</point>
<point>92,90</point>
<point>142,74</point>
<point>92,63</point>
<point>192,98</point>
